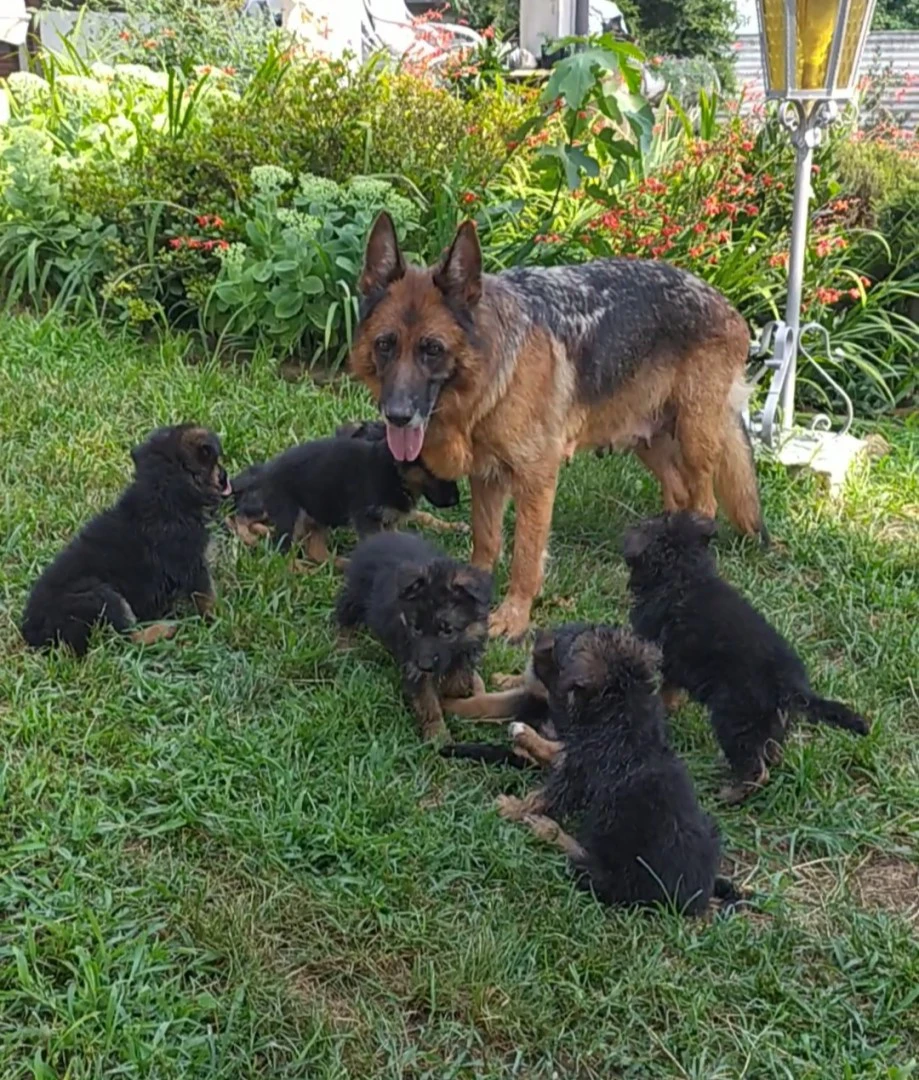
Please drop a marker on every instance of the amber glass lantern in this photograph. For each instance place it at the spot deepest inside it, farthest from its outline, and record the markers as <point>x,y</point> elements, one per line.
<point>812,48</point>
<point>811,52</point>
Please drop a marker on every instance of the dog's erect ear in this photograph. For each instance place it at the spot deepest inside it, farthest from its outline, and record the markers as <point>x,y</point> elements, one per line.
<point>383,262</point>
<point>459,276</point>
<point>475,583</point>
<point>411,581</point>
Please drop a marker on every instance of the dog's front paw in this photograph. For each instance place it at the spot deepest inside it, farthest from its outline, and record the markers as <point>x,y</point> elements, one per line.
<point>503,681</point>
<point>516,729</point>
<point>461,527</point>
<point>510,620</point>
<point>149,635</point>
<point>543,827</point>
<point>509,807</point>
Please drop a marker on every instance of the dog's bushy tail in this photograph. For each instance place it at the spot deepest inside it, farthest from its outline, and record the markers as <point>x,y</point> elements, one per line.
<point>487,754</point>
<point>735,478</point>
<point>820,710</point>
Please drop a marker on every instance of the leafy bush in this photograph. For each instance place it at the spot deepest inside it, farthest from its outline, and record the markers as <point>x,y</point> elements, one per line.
<point>291,283</point>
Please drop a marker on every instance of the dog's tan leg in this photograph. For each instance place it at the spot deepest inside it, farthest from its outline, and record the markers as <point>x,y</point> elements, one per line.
<point>427,709</point>
<point>496,708</point>
<point>552,833</point>
<point>459,685</point>
<point>248,531</point>
<point>436,524</point>
<point>534,500</point>
<point>502,681</point>
<point>315,544</point>
<point>661,458</point>
<point>543,751</point>
<point>488,503</point>
<point>672,697</point>
<point>149,635</point>
<point>700,436</point>
<point>513,809</point>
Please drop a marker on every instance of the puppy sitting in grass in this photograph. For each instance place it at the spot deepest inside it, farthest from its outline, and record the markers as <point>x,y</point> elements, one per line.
<point>348,479</point>
<point>135,560</point>
<point>639,836</point>
<point>717,647</point>
<point>428,610</point>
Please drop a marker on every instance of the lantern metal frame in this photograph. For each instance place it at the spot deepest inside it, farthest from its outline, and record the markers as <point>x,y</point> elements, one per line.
<point>805,114</point>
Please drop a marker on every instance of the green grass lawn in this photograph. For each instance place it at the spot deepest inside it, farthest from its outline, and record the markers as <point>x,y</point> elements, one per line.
<point>229,855</point>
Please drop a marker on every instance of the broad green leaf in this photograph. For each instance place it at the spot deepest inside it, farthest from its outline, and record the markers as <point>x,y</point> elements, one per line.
<point>289,306</point>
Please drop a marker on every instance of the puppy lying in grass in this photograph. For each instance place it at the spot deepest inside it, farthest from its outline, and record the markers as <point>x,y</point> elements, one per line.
<point>717,647</point>
<point>135,560</point>
<point>638,834</point>
<point>428,610</point>
<point>348,479</point>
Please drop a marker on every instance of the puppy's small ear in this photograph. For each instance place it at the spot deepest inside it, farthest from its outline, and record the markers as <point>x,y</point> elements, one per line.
<point>703,527</point>
<point>636,542</point>
<point>475,583</point>
<point>411,581</point>
<point>383,262</point>
<point>543,644</point>
<point>459,276</point>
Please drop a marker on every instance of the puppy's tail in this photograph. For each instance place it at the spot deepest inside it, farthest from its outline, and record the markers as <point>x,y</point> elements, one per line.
<point>729,895</point>
<point>487,754</point>
<point>823,711</point>
<point>735,474</point>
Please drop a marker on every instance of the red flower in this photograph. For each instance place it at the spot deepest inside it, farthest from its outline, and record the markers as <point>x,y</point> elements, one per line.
<point>854,294</point>
<point>125,35</point>
<point>488,33</point>
<point>746,145</point>
<point>511,145</point>
<point>713,258</point>
<point>828,296</point>
<point>468,197</point>
<point>216,222</point>
<point>202,220</point>
<point>866,282</point>
<point>722,237</point>
<point>195,244</point>
<point>779,259</point>
<point>229,71</point>
<point>695,252</point>
<point>751,210</point>
<point>151,43</point>
<point>699,228</point>
<point>176,242</point>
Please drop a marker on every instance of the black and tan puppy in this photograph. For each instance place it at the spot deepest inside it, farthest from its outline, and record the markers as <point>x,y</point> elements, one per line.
<point>135,560</point>
<point>430,612</point>
<point>717,647</point>
<point>638,834</point>
<point>350,478</point>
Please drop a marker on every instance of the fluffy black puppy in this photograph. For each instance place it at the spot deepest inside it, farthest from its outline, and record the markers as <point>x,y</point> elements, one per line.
<point>639,836</point>
<point>136,559</point>
<point>719,648</point>
<point>348,479</point>
<point>430,611</point>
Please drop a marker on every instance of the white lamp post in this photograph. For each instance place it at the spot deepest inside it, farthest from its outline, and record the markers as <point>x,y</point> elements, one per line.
<point>811,50</point>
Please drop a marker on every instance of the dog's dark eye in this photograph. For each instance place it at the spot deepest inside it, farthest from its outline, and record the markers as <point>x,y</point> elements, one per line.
<point>445,628</point>
<point>432,349</point>
<point>385,346</point>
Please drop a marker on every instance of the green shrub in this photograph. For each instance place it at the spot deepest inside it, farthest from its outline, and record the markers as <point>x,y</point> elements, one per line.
<point>291,284</point>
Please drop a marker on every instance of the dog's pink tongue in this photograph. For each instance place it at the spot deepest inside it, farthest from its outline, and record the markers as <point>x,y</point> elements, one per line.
<point>227,488</point>
<point>405,442</point>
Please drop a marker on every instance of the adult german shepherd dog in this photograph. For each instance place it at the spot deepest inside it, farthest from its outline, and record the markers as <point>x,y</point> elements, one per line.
<point>501,377</point>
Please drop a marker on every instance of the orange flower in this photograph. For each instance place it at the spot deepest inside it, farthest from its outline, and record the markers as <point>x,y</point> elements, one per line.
<point>779,259</point>
<point>151,43</point>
